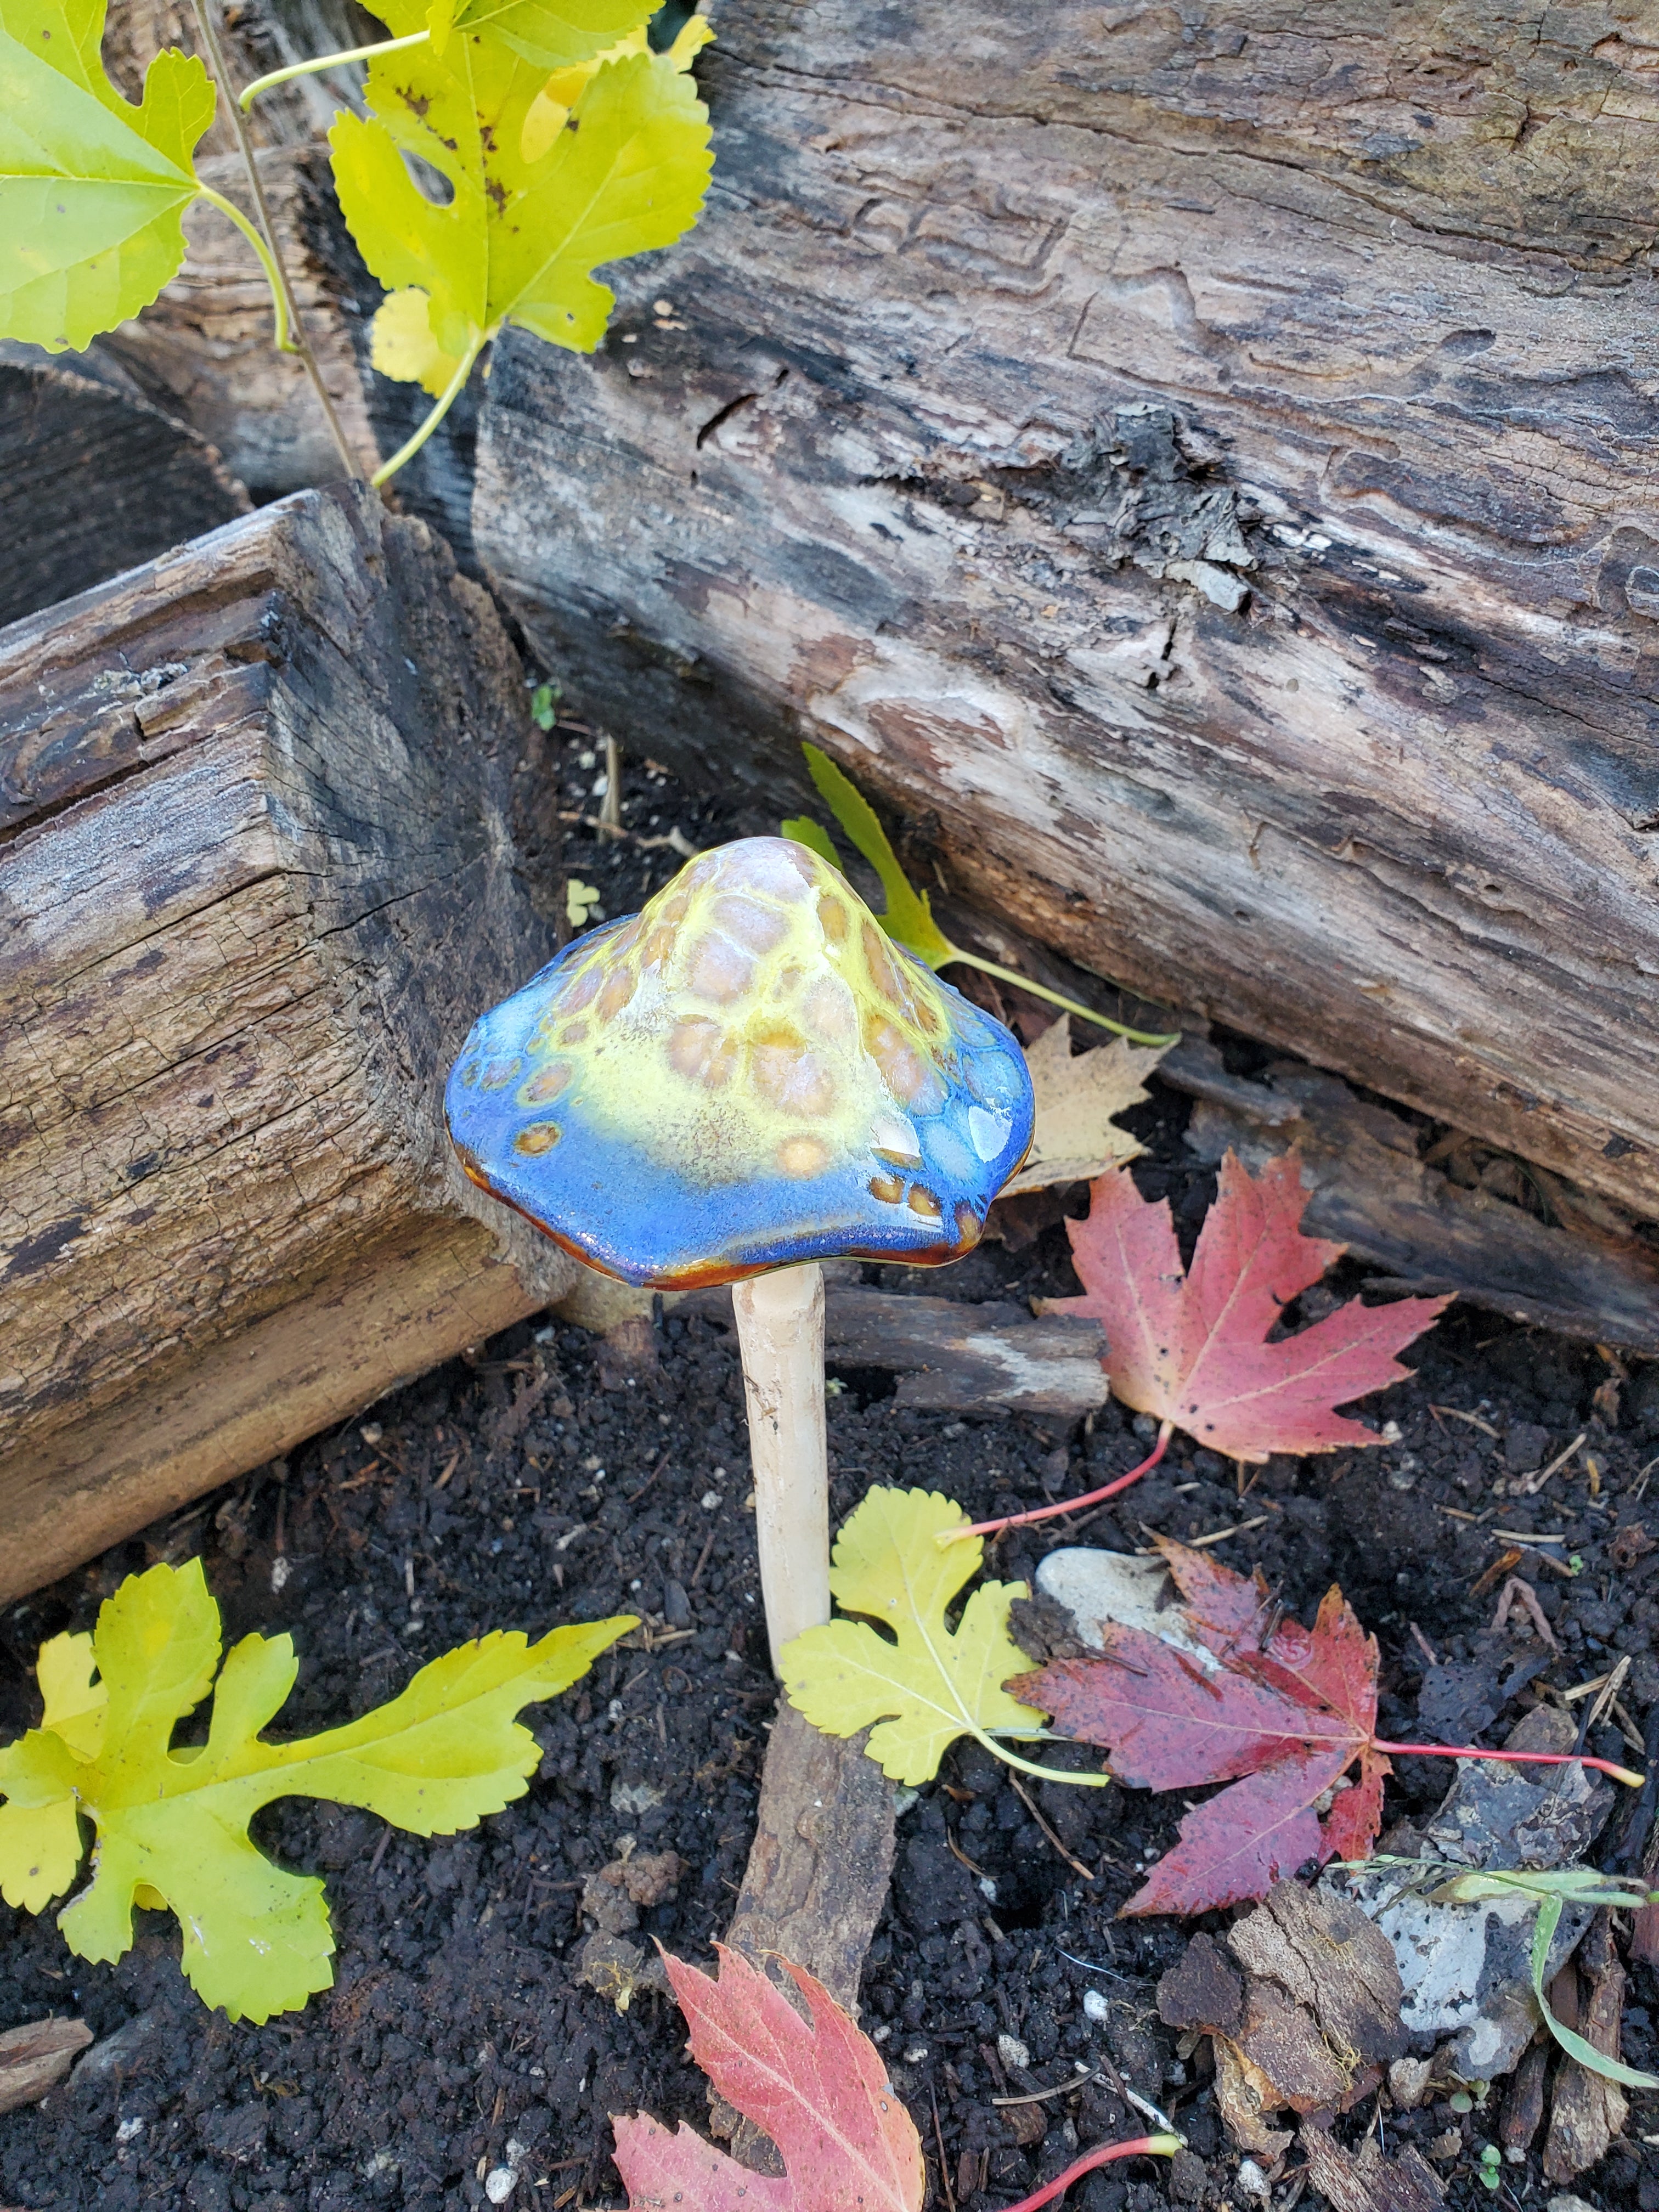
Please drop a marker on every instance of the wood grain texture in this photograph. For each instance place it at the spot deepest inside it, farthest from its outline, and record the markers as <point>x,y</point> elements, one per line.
<point>1195,464</point>
<point>93,479</point>
<point>263,854</point>
<point>816,1883</point>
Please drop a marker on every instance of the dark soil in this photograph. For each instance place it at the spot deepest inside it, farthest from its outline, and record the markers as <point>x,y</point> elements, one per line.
<point>535,1485</point>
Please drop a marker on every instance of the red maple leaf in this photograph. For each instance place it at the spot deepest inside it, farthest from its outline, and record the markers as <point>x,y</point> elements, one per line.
<point>1283,1714</point>
<point>1192,1349</point>
<point>818,2089</point>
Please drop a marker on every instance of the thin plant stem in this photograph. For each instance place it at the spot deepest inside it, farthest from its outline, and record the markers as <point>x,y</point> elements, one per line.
<point>440,407</point>
<point>1059,999</point>
<point>610,812</point>
<point>295,341</point>
<point>1101,2155</point>
<point>1515,1758</point>
<point>1064,1504</point>
<point>270,82</point>
<point>267,262</point>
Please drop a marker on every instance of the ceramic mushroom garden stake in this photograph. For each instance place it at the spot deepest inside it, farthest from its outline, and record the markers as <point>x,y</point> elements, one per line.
<point>742,1080</point>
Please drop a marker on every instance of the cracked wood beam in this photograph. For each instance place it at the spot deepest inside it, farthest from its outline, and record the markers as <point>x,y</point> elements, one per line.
<point>262,856</point>
<point>1196,469</point>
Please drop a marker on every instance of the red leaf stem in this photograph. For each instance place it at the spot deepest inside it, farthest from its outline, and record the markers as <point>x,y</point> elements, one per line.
<point>1516,1758</point>
<point>1067,1504</point>
<point>1101,2155</point>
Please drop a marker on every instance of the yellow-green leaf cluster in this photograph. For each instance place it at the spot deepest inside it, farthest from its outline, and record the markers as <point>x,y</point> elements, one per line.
<point>91,187</point>
<point>543,175</point>
<point>172,1823</point>
<point>923,1684</point>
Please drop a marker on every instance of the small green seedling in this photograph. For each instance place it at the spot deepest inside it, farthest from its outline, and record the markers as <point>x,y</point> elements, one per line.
<point>1491,2166</point>
<point>1551,1890</point>
<point>544,705</point>
<point>172,1820</point>
<point>907,917</point>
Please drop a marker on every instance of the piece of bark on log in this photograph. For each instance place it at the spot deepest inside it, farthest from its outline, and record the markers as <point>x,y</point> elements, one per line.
<point>94,478</point>
<point>1211,478</point>
<point>262,861</point>
<point>951,1356</point>
<point>1370,1190</point>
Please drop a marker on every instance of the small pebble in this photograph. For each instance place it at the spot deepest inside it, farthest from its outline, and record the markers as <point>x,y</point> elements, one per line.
<point>500,2183</point>
<point>1251,2181</point>
<point>1013,2053</point>
<point>1098,2006</point>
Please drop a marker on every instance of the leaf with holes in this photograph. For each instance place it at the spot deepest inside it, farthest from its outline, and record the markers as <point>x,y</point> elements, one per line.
<point>547,178</point>
<point>92,189</point>
<point>818,2087</point>
<point>1281,1711</point>
<point>1192,1349</point>
<point>172,1820</point>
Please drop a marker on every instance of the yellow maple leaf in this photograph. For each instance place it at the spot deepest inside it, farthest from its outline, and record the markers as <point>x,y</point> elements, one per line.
<point>930,1684</point>
<point>1077,1096</point>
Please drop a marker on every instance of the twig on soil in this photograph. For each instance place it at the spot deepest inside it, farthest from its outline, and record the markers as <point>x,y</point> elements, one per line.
<point>633,1496</point>
<point>1457,1413</point>
<point>1560,1459</point>
<point>379,1850</point>
<point>675,842</point>
<point>1220,1535</point>
<point>1035,1812</point>
<point>957,1853</point>
<point>1423,1645</point>
<point>943,2162</point>
<point>1060,2089</point>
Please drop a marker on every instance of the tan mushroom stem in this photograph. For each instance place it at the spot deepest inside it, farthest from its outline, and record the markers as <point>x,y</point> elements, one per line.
<point>780,1330</point>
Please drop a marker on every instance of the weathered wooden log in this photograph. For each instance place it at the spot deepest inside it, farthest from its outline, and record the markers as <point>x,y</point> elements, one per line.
<point>952,1357</point>
<point>93,478</point>
<point>262,859</point>
<point>1580,1271</point>
<point>1197,468</point>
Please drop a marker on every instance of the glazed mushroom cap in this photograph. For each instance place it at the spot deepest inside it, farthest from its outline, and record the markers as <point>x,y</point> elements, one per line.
<point>747,1074</point>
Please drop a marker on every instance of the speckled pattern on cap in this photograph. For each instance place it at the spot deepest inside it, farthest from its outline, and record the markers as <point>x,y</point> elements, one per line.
<point>746,1074</point>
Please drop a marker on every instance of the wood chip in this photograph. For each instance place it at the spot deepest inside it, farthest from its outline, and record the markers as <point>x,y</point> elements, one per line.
<point>35,2057</point>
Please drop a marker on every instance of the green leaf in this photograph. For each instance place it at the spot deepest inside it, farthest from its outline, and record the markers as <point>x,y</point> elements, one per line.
<point>907,916</point>
<point>813,834</point>
<point>931,1684</point>
<point>171,1824</point>
<point>550,34</point>
<point>91,188</point>
<point>1593,2061</point>
<point>540,196</point>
